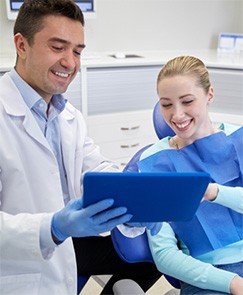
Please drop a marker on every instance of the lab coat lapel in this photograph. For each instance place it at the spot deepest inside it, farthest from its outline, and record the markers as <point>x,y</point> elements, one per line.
<point>16,108</point>
<point>32,128</point>
<point>66,121</point>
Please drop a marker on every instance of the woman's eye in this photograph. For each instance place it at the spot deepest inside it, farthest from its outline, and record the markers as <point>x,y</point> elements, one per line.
<point>166,106</point>
<point>188,101</point>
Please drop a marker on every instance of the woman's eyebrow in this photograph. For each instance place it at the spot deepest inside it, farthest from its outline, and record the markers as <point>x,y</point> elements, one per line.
<point>164,98</point>
<point>185,95</point>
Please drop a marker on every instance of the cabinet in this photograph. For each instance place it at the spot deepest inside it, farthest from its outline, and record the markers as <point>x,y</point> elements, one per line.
<point>120,101</point>
<point>121,135</point>
<point>228,96</point>
<point>228,91</point>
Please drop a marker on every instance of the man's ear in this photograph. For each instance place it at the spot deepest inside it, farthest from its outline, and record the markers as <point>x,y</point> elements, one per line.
<point>210,95</point>
<point>21,45</point>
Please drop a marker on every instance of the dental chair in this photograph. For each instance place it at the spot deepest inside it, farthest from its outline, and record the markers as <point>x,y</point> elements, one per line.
<point>136,249</point>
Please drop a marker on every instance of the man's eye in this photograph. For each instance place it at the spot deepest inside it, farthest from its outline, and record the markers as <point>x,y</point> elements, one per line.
<point>77,53</point>
<point>57,48</point>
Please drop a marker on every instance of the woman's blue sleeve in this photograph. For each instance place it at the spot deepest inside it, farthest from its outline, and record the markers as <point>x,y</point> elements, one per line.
<point>230,197</point>
<point>173,261</point>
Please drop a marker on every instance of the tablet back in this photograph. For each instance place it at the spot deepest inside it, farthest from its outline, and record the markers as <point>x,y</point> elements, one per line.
<point>150,197</point>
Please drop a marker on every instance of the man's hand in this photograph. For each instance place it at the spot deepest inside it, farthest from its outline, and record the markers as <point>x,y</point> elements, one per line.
<point>75,221</point>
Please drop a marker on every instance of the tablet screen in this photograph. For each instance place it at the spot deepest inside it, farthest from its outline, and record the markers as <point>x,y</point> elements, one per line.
<point>149,197</point>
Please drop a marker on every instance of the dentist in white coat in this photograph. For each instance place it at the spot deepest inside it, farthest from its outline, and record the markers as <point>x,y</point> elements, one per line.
<point>44,151</point>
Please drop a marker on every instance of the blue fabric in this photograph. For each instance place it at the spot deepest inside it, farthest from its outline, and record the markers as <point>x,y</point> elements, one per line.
<point>222,157</point>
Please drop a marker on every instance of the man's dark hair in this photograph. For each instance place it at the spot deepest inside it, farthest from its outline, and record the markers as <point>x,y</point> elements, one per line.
<point>30,17</point>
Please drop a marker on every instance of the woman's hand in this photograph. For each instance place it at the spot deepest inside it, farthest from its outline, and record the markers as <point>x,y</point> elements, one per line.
<point>211,192</point>
<point>236,286</point>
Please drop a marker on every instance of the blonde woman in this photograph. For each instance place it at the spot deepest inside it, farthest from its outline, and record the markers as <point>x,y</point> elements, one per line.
<point>206,253</point>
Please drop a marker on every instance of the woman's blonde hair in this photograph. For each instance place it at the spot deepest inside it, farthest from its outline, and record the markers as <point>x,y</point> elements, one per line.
<point>186,65</point>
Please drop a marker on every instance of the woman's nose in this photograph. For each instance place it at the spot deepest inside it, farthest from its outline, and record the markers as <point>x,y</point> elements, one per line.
<point>178,112</point>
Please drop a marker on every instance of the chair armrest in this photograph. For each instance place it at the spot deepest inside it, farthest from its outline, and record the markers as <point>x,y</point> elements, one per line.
<point>131,250</point>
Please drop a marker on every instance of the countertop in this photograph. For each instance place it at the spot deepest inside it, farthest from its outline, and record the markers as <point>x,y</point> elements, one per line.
<point>211,58</point>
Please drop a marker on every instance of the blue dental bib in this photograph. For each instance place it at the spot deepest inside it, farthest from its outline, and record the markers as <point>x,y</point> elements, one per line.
<point>214,226</point>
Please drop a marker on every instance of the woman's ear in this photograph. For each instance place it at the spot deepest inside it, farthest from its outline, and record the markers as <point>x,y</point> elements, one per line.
<point>210,95</point>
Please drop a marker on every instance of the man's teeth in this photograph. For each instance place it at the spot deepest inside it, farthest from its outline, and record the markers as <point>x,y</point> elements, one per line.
<point>63,75</point>
<point>183,125</point>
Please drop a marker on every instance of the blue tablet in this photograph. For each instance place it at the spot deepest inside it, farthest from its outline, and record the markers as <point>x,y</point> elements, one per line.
<point>150,197</point>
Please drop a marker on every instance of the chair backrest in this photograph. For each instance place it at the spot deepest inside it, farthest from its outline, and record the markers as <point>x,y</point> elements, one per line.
<point>161,128</point>
<point>137,249</point>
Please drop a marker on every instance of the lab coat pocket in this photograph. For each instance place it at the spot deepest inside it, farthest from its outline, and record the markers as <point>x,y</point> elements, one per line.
<point>20,284</point>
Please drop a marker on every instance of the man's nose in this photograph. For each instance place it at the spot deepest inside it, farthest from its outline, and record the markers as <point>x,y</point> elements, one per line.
<point>68,60</point>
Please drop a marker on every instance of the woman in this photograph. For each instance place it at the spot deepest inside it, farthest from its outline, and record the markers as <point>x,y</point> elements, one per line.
<point>206,253</point>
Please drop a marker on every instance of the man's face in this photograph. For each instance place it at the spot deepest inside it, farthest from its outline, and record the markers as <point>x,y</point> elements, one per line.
<point>51,62</point>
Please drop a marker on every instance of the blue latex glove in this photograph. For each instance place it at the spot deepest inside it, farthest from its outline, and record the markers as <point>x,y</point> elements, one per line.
<point>75,221</point>
<point>154,227</point>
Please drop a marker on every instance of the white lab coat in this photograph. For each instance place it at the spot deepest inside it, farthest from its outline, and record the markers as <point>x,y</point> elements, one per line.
<point>30,191</point>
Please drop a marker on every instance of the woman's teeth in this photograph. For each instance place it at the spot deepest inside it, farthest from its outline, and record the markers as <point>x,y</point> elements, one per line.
<point>182,125</point>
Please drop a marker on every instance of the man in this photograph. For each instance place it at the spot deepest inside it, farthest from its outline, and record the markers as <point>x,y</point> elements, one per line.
<point>44,152</point>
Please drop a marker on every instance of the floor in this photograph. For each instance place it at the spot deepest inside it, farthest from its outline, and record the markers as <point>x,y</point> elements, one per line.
<point>161,287</point>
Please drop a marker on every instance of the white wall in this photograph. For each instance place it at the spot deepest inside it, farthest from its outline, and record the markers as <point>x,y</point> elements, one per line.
<point>129,25</point>
<point>241,16</point>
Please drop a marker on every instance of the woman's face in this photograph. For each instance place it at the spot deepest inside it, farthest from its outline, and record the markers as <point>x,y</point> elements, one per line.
<point>184,106</point>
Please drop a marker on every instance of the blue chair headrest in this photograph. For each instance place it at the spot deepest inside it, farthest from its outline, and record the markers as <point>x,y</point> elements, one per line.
<point>161,128</point>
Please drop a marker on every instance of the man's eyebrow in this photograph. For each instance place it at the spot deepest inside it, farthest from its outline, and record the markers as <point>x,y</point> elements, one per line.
<point>56,39</point>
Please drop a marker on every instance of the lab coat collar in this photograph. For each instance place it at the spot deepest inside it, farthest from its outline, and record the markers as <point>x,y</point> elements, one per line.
<point>11,98</point>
